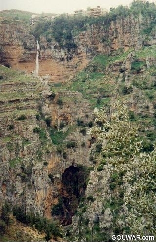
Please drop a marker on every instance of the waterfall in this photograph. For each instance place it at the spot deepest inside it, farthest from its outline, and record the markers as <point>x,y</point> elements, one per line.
<point>37,59</point>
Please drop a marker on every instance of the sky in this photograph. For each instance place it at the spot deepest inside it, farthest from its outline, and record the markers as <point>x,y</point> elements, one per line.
<point>59,6</point>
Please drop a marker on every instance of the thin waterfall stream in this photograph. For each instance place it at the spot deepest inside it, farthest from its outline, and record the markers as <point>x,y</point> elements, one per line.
<point>37,59</point>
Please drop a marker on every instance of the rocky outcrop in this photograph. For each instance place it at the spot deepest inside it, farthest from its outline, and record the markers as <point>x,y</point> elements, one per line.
<point>31,165</point>
<point>123,33</point>
<point>18,50</point>
<point>24,179</point>
<point>56,64</point>
<point>17,45</point>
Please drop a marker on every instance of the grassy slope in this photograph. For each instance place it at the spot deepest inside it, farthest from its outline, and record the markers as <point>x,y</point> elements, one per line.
<point>17,15</point>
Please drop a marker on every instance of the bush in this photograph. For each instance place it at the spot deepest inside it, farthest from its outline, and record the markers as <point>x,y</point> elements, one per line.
<point>100,167</point>
<point>22,117</point>
<point>11,127</point>
<point>127,90</point>
<point>51,177</point>
<point>151,135</point>
<point>59,102</point>
<point>80,122</point>
<point>52,96</point>
<point>131,115</point>
<point>147,146</point>
<point>90,124</point>
<point>5,213</point>
<point>36,130</point>
<point>62,124</point>
<point>150,94</point>
<point>83,144</point>
<point>41,224</point>
<point>24,177</point>
<point>20,214</point>
<point>71,144</point>
<point>14,162</point>
<point>7,65</point>
<point>58,209</point>
<point>83,131</point>
<point>98,102</point>
<point>2,227</point>
<point>64,155</point>
<point>98,148</point>
<point>38,117</point>
<point>42,134</point>
<point>57,137</point>
<point>48,121</point>
<point>137,65</point>
<point>154,105</point>
<point>112,185</point>
<point>91,198</point>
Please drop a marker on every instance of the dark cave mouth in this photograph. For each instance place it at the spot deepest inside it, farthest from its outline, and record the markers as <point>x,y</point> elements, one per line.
<point>74,183</point>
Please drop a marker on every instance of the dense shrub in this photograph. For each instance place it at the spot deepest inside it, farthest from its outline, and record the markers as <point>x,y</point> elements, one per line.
<point>59,102</point>
<point>11,127</point>
<point>58,209</point>
<point>48,121</point>
<point>5,213</point>
<point>127,90</point>
<point>50,228</point>
<point>36,130</point>
<point>41,132</point>
<point>80,122</point>
<point>71,144</point>
<point>52,96</point>
<point>38,117</point>
<point>137,65</point>
<point>22,117</point>
<point>51,177</point>
<point>83,131</point>
<point>2,227</point>
<point>98,148</point>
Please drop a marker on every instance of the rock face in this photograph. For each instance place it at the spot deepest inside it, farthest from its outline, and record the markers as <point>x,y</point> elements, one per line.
<point>123,33</point>
<point>22,175</point>
<point>31,167</point>
<point>18,46</point>
<point>18,50</point>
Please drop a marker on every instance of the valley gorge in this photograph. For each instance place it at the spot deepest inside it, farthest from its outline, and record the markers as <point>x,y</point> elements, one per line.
<point>78,125</point>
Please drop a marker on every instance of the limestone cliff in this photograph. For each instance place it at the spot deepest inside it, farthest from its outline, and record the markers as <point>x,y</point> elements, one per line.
<point>31,165</point>
<point>57,63</point>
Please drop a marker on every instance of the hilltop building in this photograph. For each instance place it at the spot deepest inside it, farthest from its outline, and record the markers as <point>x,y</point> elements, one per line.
<point>92,12</point>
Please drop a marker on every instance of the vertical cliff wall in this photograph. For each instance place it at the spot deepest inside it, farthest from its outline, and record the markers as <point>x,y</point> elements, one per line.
<point>57,63</point>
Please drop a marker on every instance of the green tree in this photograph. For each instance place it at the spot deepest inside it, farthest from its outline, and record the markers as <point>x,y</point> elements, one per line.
<point>119,136</point>
<point>133,172</point>
<point>5,213</point>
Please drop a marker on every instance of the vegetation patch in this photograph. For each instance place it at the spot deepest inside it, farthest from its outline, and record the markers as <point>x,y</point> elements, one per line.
<point>42,134</point>
<point>51,228</point>
<point>14,162</point>
<point>22,117</point>
<point>137,65</point>
<point>57,137</point>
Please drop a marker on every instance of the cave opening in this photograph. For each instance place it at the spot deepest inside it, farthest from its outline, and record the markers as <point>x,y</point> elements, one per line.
<point>74,183</point>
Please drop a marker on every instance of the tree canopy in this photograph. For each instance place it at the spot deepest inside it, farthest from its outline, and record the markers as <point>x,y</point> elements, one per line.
<point>122,149</point>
